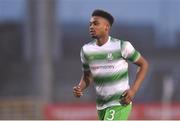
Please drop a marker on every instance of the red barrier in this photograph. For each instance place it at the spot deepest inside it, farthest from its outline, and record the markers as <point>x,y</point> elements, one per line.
<point>156,111</point>
<point>70,111</point>
<point>88,111</point>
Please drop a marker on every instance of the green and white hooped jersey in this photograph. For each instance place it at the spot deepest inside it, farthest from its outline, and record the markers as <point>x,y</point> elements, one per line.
<point>109,68</point>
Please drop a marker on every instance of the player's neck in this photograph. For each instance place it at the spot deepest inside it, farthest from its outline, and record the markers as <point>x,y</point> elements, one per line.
<point>101,41</point>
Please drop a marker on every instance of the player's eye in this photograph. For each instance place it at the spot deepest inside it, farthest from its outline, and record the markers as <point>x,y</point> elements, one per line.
<point>96,23</point>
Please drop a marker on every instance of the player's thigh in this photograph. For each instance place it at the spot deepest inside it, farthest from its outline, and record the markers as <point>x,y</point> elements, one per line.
<point>118,112</point>
<point>101,114</point>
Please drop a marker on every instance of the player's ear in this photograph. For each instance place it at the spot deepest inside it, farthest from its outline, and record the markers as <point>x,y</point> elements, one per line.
<point>107,27</point>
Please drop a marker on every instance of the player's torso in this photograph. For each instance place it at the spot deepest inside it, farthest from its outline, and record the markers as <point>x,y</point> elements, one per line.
<point>105,60</point>
<point>109,70</point>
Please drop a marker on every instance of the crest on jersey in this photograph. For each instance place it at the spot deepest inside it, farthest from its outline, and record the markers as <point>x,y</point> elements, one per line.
<point>110,56</point>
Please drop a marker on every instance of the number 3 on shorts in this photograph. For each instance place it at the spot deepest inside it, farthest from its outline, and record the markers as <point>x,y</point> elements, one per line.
<point>111,117</point>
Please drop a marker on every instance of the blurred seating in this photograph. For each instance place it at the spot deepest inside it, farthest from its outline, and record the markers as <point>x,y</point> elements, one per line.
<point>20,109</point>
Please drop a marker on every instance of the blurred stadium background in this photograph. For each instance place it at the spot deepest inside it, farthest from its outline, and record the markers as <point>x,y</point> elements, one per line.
<point>40,41</point>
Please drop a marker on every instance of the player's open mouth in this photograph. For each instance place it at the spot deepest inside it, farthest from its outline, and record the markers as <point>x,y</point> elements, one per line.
<point>92,32</point>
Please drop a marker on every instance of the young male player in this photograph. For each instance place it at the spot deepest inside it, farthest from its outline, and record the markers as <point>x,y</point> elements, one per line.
<point>105,62</point>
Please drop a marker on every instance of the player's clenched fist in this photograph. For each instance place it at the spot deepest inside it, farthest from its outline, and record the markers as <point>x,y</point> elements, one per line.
<point>77,91</point>
<point>127,96</point>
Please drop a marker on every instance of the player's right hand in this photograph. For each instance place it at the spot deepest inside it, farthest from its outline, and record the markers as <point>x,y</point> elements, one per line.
<point>77,91</point>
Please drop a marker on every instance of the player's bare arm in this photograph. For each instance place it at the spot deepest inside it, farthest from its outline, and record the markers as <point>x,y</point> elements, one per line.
<point>142,70</point>
<point>85,81</point>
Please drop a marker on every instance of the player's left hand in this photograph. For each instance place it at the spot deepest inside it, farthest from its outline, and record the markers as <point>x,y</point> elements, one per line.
<point>127,96</point>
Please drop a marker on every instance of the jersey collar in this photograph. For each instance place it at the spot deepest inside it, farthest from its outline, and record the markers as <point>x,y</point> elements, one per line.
<point>109,38</point>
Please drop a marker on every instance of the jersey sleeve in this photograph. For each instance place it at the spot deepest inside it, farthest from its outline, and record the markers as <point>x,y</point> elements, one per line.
<point>85,65</point>
<point>129,52</point>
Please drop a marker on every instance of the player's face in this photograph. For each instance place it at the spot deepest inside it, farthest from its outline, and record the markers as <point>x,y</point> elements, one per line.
<point>98,27</point>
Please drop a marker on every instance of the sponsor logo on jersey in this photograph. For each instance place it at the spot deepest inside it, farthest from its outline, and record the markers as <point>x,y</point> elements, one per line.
<point>110,56</point>
<point>103,67</point>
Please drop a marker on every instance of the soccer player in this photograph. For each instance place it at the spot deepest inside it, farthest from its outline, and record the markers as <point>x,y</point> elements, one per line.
<point>104,62</point>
